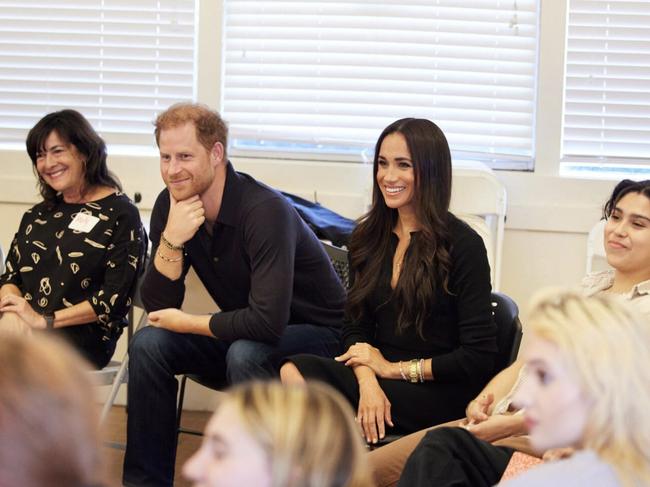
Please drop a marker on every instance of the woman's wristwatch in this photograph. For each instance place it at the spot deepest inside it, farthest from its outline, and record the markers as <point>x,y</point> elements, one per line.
<point>49,320</point>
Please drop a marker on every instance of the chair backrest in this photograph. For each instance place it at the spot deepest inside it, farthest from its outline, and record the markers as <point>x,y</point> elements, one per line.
<point>339,258</point>
<point>509,330</point>
<point>596,258</point>
<point>476,191</point>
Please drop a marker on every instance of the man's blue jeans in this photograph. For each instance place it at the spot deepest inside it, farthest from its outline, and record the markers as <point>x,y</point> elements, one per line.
<point>157,355</point>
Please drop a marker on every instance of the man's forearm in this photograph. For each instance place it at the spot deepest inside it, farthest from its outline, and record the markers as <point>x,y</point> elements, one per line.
<point>200,325</point>
<point>169,262</point>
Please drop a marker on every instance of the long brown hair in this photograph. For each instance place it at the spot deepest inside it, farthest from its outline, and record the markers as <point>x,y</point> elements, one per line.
<point>427,261</point>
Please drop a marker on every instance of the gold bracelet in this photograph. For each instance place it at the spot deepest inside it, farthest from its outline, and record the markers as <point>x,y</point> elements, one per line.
<point>167,259</point>
<point>421,370</point>
<point>413,371</point>
<point>401,372</point>
<point>170,245</point>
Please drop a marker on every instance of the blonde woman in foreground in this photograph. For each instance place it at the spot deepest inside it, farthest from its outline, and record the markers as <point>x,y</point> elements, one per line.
<point>264,434</point>
<point>49,427</point>
<point>586,387</point>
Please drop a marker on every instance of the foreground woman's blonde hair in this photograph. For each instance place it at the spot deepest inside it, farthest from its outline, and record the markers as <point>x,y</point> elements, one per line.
<point>605,345</point>
<point>307,432</point>
<point>48,423</point>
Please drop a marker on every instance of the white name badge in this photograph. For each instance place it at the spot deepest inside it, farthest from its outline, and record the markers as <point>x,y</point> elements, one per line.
<point>83,222</point>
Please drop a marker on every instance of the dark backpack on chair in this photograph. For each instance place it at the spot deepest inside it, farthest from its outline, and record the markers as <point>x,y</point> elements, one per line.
<point>325,223</point>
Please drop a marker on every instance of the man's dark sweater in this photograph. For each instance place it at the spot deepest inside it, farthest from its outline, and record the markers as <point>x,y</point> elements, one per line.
<point>262,265</point>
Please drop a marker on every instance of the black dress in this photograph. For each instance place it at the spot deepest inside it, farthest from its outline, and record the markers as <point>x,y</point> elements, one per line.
<point>459,337</point>
<point>56,267</point>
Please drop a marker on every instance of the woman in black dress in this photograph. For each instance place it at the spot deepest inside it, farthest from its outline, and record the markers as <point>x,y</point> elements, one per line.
<point>73,263</point>
<point>419,338</point>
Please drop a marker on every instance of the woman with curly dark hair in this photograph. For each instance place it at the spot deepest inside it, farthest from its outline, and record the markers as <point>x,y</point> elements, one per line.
<point>419,338</point>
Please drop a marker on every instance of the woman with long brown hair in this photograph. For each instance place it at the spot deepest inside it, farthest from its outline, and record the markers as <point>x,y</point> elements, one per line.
<point>419,338</point>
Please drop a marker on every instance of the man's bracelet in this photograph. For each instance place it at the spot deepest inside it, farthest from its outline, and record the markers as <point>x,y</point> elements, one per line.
<point>167,259</point>
<point>170,245</point>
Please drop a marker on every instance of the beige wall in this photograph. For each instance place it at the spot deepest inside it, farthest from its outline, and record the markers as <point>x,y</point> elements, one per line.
<point>546,229</point>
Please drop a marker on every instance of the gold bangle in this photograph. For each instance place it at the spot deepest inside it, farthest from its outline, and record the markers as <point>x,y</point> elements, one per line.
<point>170,245</point>
<point>401,372</point>
<point>413,371</point>
<point>421,370</point>
<point>167,259</point>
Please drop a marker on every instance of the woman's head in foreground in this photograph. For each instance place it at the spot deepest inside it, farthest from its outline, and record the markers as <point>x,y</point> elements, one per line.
<point>587,379</point>
<point>49,429</point>
<point>271,435</point>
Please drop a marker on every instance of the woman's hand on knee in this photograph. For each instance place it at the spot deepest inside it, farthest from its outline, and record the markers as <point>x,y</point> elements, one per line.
<point>374,411</point>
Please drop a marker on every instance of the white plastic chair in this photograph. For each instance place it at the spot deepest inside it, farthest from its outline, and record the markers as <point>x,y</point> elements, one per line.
<point>480,199</point>
<point>596,258</point>
<point>116,372</point>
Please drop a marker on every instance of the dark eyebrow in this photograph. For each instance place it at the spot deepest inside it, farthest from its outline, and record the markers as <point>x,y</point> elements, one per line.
<point>633,215</point>
<point>397,159</point>
<point>57,146</point>
<point>636,215</point>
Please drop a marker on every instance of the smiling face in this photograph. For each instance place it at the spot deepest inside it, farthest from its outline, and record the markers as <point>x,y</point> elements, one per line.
<point>395,173</point>
<point>229,455</point>
<point>186,166</point>
<point>627,235</point>
<point>556,410</point>
<point>61,166</point>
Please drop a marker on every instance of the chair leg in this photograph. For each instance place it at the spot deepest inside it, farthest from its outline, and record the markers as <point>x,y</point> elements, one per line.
<point>117,382</point>
<point>179,410</point>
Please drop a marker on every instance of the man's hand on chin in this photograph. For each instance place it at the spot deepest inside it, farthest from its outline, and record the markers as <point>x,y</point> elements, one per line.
<point>178,321</point>
<point>184,219</point>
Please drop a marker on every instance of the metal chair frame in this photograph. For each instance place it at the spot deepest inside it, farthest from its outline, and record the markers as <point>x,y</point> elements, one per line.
<point>339,258</point>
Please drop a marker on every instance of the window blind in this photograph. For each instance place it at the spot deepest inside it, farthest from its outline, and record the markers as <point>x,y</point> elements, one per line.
<point>327,76</point>
<point>607,97</point>
<point>119,62</point>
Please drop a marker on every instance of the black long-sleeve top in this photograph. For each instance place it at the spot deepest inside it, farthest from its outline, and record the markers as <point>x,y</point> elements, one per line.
<point>262,266</point>
<point>56,267</point>
<point>459,332</point>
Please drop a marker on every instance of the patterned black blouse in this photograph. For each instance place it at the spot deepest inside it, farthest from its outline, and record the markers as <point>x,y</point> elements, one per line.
<point>55,266</point>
